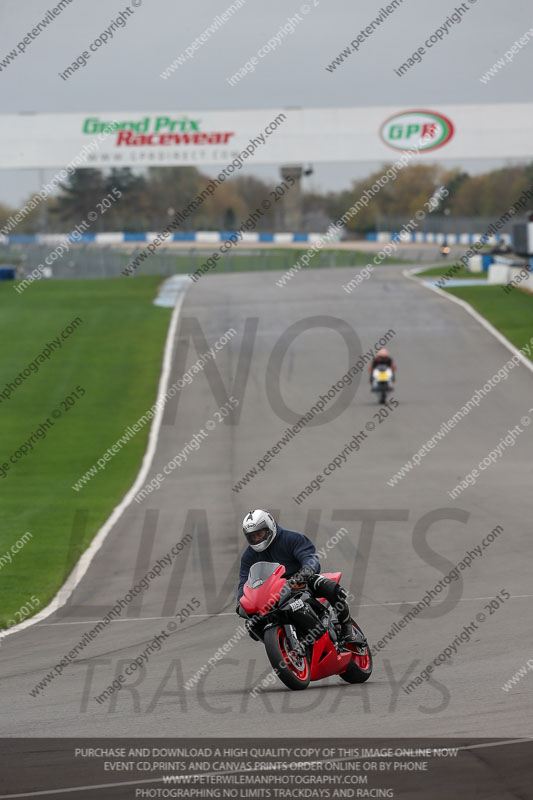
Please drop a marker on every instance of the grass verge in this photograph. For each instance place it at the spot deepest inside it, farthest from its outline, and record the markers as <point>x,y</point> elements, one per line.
<point>115,355</point>
<point>511,314</point>
<point>440,272</point>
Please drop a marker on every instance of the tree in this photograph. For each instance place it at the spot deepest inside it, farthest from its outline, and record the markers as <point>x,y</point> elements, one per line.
<point>123,179</point>
<point>401,196</point>
<point>170,187</point>
<point>80,194</point>
<point>452,182</point>
<point>230,219</point>
<point>5,213</point>
<point>130,210</point>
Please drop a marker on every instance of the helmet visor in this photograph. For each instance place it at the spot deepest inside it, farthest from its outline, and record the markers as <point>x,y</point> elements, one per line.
<point>256,537</point>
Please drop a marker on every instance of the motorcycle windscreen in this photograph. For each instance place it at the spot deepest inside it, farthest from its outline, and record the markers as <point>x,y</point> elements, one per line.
<point>260,572</point>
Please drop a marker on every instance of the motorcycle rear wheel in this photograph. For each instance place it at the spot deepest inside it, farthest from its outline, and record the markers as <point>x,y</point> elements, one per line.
<point>293,671</point>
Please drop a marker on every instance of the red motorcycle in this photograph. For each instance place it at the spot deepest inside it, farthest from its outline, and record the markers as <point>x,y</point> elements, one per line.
<point>301,633</point>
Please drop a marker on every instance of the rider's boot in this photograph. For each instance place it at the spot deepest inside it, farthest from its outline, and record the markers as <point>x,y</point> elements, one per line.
<point>350,636</point>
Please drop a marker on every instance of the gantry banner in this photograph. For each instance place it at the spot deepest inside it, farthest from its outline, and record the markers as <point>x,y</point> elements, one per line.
<point>181,137</point>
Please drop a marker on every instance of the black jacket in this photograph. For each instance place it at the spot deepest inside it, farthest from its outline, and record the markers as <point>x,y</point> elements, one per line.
<point>292,549</point>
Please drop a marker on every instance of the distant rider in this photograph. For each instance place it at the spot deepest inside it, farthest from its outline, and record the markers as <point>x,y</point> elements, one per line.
<point>268,541</point>
<point>383,359</point>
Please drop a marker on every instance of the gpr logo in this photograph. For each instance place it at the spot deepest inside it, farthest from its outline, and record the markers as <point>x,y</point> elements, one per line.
<point>417,130</point>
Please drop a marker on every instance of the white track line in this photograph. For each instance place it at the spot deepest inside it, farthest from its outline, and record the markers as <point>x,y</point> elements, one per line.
<point>495,744</point>
<point>85,560</point>
<point>53,792</point>
<point>473,313</point>
<point>232,613</point>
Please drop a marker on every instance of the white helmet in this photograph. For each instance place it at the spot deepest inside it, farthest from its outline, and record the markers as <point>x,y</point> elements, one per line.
<point>256,522</point>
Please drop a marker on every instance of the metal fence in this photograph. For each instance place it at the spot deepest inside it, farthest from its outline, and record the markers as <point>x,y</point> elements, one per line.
<point>82,261</point>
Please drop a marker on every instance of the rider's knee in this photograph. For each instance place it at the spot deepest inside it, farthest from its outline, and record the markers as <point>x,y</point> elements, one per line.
<point>340,593</point>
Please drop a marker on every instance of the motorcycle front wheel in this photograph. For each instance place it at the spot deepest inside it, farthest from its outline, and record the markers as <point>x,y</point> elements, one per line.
<point>293,670</point>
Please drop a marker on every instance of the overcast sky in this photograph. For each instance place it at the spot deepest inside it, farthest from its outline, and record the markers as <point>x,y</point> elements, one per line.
<point>124,75</point>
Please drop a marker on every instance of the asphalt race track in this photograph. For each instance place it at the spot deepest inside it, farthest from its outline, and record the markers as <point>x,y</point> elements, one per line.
<point>401,540</point>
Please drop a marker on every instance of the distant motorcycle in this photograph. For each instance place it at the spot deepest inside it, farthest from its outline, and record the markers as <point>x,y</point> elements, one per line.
<point>445,250</point>
<point>382,382</point>
<point>301,633</point>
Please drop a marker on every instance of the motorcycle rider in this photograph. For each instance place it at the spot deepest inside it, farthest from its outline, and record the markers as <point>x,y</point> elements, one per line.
<point>383,358</point>
<point>268,541</point>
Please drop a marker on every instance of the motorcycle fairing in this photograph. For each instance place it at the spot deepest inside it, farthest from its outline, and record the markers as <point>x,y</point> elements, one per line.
<point>326,661</point>
<point>259,598</point>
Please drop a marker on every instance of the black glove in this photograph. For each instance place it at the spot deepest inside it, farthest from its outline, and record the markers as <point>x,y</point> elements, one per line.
<point>238,609</point>
<point>307,572</point>
<point>302,576</point>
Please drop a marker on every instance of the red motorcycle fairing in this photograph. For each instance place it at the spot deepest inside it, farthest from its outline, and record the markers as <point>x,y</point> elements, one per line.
<point>326,660</point>
<point>333,576</point>
<point>258,600</point>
